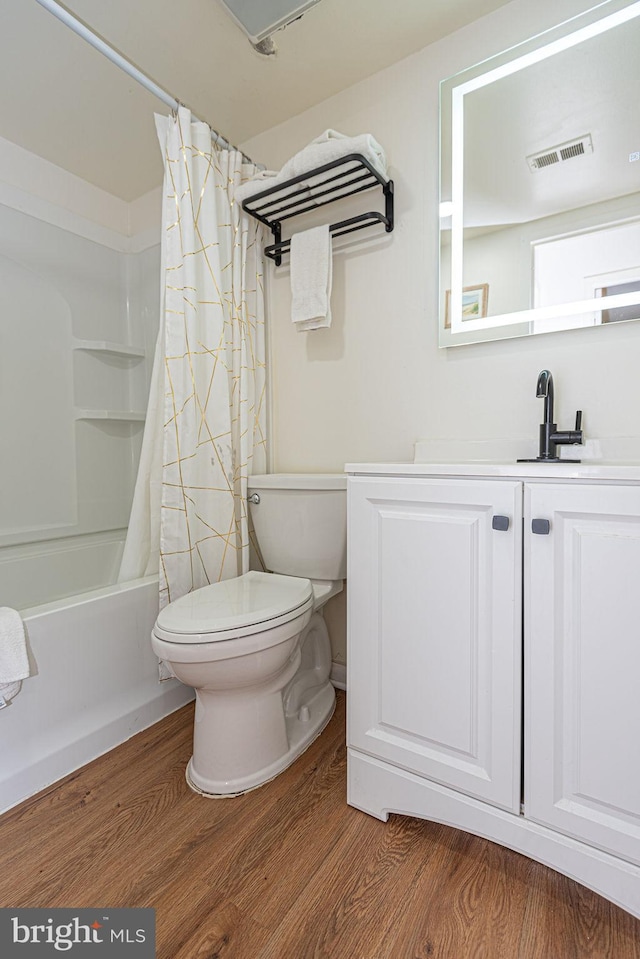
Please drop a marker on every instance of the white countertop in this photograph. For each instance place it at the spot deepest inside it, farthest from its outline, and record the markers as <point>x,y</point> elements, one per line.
<point>603,472</point>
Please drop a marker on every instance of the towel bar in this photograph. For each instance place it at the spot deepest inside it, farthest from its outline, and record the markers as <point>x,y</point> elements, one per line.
<point>353,174</point>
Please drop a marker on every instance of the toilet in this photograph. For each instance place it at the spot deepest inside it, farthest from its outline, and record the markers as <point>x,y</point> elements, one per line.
<point>256,648</point>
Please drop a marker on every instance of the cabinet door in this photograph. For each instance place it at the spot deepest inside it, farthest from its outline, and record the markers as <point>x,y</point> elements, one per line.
<point>582,664</point>
<point>434,654</point>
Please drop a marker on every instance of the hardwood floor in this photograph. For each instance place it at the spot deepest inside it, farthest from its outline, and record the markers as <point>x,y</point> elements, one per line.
<point>289,870</point>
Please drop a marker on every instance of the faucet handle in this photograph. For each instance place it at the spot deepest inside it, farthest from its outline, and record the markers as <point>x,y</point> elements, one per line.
<point>578,420</point>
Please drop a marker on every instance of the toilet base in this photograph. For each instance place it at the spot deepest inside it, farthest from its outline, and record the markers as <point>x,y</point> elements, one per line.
<point>302,728</point>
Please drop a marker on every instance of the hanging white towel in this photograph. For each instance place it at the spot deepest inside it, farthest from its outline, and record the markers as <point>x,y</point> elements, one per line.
<point>14,660</point>
<point>311,278</point>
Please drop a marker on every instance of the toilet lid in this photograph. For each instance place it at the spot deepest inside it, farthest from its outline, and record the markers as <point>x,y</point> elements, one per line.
<point>248,600</point>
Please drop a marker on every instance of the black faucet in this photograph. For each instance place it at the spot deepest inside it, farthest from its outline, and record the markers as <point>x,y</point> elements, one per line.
<point>550,436</point>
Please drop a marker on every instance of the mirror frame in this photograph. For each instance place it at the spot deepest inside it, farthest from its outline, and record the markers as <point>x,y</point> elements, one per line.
<point>605,16</point>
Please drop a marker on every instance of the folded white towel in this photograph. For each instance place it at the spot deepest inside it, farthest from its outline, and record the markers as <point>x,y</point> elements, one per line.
<point>332,145</point>
<point>261,180</point>
<point>265,181</point>
<point>311,278</point>
<point>329,146</point>
<point>14,661</point>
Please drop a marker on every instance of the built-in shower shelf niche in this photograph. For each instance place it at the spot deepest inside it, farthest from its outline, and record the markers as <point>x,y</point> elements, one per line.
<point>113,349</point>
<point>123,416</point>
<point>103,388</point>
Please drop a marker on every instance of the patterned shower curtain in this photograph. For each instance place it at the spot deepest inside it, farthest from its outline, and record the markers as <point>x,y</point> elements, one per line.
<point>205,432</point>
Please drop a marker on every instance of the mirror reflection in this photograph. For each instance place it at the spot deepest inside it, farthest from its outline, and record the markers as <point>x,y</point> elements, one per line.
<point>540,184</point>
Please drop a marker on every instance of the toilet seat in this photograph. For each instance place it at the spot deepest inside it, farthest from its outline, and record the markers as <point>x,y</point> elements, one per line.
<point>251,603</point>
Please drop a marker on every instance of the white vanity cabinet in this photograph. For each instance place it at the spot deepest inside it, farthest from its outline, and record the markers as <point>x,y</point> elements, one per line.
<point>582,658</point>
<point>435,658</point>
<point>494,671</point>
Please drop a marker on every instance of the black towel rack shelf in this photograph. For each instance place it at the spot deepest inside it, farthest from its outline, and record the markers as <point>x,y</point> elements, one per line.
<point>332,181</point>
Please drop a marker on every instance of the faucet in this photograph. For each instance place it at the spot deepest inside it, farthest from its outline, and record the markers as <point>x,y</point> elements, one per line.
<point>550,436</point>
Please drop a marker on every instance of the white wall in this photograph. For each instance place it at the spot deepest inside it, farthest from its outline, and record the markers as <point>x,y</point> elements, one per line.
<point>373,384</point>
<point>376,382</point>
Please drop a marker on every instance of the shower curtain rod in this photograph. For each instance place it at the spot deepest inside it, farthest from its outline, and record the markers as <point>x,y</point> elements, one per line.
<point>103,47</point>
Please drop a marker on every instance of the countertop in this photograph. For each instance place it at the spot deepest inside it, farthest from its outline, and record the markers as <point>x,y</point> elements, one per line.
<point>581,472</point>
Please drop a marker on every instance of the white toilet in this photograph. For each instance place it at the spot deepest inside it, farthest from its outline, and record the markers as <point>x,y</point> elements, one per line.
<point>256,648</point>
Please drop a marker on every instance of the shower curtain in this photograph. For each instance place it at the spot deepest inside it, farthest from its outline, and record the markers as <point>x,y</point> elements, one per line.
<point>205,429</point>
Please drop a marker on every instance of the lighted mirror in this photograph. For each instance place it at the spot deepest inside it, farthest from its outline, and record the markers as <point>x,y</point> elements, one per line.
<point>540,183</point>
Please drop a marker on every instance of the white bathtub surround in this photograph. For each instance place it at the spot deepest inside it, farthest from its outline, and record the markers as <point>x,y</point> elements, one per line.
<point>96,686</point>
<point>214,368</point>
<point>33,574</point>
<point>14,659</point>
<point>79,293</point>
<point>141,552</point>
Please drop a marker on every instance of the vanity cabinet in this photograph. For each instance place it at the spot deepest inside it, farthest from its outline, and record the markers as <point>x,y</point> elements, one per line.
<point>434,658</point>
<point>494,657</point>
<point>582,659</point>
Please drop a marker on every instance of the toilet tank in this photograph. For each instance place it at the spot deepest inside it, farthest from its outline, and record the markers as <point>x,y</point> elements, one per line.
<point>301,523</point>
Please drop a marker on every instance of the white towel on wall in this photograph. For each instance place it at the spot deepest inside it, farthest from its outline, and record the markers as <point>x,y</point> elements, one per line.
<point>311,278</point>
<point>329,146</point>
<point>14,660</point>
<point>261,180</point>
<point>332,145</point>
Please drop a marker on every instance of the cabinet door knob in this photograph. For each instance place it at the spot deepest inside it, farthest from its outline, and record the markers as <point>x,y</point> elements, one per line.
<point>500,522</point>
<point>540,526</point>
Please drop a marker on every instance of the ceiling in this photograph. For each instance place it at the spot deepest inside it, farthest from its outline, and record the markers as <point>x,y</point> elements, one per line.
<point>67,103</point>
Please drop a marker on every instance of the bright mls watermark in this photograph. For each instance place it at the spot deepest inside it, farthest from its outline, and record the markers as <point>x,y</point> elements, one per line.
<point>80,933</point>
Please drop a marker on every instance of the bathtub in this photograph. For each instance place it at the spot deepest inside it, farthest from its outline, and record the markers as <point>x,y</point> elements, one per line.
<point>95,683</point>
<point>32,574</point>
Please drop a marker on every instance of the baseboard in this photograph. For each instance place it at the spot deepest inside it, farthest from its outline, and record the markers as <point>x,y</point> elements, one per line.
<point>48,769</point>
<point>339,675</point>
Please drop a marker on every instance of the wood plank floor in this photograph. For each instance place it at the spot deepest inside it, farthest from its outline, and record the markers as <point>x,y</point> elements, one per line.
<point>289,870</point>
